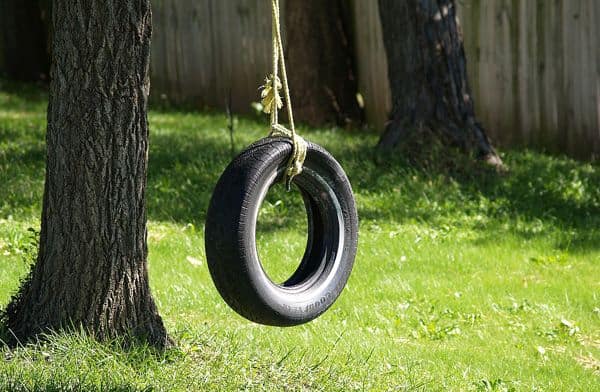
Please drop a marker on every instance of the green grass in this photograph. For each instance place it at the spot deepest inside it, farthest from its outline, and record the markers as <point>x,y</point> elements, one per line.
<point>464,280</point>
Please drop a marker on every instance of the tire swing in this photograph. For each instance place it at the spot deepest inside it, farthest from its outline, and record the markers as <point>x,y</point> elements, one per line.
<point>230,230</point>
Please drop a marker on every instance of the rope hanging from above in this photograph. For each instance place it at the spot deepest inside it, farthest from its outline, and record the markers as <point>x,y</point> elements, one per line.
<point>229,238</point>
<point>272,101</point>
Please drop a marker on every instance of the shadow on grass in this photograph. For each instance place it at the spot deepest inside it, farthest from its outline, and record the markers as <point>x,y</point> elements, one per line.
<point>540,193</point>
<point>19,95</point>
<point>187,157</point>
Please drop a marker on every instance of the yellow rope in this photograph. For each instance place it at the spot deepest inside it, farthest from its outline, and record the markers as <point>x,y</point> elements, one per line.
<point>272,102</point>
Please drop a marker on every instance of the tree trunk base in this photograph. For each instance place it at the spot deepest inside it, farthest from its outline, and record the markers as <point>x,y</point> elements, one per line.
<point>420,141</point>
<point>28,316</point>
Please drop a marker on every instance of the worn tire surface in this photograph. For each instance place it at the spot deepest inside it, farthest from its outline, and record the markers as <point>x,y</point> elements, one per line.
<point>230,235</point>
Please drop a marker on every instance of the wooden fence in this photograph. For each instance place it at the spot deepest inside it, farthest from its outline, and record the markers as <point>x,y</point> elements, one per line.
<point>534,64</point>
<point>208,50</point>
<point>535,71</point>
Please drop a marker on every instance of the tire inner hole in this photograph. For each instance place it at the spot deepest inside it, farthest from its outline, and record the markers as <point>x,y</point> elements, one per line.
<point>281,232</point>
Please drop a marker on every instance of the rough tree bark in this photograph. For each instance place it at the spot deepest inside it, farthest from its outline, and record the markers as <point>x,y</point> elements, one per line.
<point>91,270</point>
<point>24,40</point>
<point>320,54</point>
<point>428,78</point>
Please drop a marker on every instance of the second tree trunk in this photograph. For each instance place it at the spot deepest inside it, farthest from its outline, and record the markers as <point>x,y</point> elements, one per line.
<point>428,77</point>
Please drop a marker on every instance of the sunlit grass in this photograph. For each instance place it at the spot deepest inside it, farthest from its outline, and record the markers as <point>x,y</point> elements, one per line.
<point>464,280</point>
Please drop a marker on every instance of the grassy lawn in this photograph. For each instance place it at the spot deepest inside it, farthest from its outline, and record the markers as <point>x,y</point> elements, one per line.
<point>464,280</point>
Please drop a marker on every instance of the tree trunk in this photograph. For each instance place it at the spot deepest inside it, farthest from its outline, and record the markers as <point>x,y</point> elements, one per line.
<point>24,40</point>
<point>319,55</point>
<point>428,78</point>
<point>91,270</point>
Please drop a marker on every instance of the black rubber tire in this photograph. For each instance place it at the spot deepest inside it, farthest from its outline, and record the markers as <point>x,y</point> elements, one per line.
<point>230,235</point>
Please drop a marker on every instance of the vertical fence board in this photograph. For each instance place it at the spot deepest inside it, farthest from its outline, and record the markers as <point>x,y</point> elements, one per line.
<point>371,61</point>
<point>206,49</point>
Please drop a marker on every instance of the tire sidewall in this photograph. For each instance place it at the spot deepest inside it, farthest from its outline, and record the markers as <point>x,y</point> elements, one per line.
<point>256,296</point>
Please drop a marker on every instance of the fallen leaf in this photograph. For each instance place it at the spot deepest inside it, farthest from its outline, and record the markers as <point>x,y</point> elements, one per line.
<point>194,261</point>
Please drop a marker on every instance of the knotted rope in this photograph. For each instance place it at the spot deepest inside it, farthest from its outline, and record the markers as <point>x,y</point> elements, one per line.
<point>272,102</point>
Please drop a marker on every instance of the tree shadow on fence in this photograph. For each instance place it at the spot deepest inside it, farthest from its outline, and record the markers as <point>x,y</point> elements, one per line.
<point>18,95</point>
